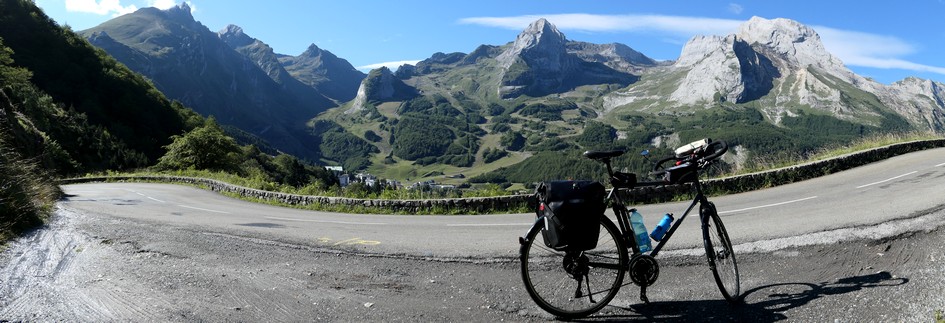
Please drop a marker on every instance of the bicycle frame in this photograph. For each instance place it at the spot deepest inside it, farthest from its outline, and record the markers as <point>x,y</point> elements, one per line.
<point>642,267</point>
<point>623,216</point>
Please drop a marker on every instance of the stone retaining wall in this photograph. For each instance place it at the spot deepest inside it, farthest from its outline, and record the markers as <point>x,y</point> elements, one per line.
<point>476,205</point>
<point>741,183</point>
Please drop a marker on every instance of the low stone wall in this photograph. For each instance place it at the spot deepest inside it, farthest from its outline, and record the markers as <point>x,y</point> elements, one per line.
<point>787,175</point>
<point>782,176</point>
<point>741,183</point>
<point>476,205</point>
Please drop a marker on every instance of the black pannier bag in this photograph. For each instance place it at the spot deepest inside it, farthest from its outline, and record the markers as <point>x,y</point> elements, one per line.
<point>572,211</point>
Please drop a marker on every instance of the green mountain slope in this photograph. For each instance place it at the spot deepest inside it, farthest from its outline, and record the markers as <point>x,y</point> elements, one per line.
<point>188,62</point>
<point>99,112</point>
<point>771,90</point>
<point>67,108</point>
<point>551,98</point>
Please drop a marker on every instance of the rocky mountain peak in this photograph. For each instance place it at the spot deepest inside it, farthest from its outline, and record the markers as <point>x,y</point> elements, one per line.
<point>100,36</point>
<point>931,89</point>
<point>181,11</point>
<point>787,37</point>
<point>539,39</point>
<point>312,51</point>
<point>332,76</point>
<point>746,65</point>
<point>778,30</point>
<point>539,63</point>
<point>381,85</point>
<point>235,36</point>
<point>615,55</point>
<point>543,30</point>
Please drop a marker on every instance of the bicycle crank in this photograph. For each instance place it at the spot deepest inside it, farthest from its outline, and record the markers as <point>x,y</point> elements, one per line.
<point>644,270</point>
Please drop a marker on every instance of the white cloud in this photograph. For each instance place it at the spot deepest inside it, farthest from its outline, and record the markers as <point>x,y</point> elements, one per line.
<point>871,50</point>
<point>167,4</point>
<point>115,8</point>
<point>677,25</point>
<point>162,4</point>
<point>848,42</point>
<point>735,8</point>
<point>852,47</point>
<point>99,7</point>
<point>390,65</point>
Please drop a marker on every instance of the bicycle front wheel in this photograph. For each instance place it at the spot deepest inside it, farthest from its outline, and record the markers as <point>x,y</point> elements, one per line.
<point>721,255</point>
<point>574,284</point>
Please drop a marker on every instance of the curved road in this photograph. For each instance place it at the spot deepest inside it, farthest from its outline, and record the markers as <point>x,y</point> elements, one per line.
<point>851,204</point>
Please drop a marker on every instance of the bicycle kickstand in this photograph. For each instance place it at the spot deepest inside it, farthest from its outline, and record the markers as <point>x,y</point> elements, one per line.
<point>643,295</point>
<point>590,295</point>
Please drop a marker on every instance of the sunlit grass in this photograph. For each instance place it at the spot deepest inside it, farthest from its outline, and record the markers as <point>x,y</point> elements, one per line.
<point>27,196</point>
<point>761,164</point>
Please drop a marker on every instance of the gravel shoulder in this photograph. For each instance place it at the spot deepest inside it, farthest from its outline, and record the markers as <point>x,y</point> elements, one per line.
<point>89,267</point>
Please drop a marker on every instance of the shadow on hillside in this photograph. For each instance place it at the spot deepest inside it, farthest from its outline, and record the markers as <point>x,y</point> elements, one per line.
<point>764,303</point>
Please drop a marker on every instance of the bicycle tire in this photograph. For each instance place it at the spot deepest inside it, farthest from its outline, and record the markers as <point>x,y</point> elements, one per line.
<point>553,289</point>
<point>720,254</point>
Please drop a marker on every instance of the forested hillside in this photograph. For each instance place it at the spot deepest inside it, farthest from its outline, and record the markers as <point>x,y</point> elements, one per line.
<point>67,108</point>
<point>101,113</point>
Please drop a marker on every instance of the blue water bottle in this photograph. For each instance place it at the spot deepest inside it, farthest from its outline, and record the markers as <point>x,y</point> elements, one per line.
<point>639,230</point>
<point>661,228</point>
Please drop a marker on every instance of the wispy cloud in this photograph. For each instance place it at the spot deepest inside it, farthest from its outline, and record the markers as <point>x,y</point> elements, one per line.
<point>678,25</point>
<point>99,7</point>
<point>871,50</point>
<point>162,4</point>
<point>390,65</point>
<point>852,47</point>
<point>167,4</point>
<point>735,8</point>
<point>115,8</point>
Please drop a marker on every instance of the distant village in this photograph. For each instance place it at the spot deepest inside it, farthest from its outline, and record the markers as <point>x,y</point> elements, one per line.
<point>345,179</point>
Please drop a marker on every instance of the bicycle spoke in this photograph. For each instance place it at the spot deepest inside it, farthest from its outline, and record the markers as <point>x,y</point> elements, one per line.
<point>573,284</point>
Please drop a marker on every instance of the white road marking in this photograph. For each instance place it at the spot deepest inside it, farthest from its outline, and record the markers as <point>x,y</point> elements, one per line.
<point>200,209</point>
<point>490,224</point>
<point>769,205</point>
<point>143,195</point>
<point>325,221</point>
<point>886,180</point>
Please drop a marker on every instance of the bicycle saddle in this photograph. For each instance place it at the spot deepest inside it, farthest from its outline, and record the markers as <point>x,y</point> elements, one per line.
<point>597,155</point>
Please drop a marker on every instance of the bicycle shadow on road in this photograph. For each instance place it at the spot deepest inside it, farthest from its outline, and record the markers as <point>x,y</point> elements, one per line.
<point>763,303</point>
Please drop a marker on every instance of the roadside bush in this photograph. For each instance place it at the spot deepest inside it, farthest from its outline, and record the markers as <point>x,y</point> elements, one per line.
<point>206,147</point>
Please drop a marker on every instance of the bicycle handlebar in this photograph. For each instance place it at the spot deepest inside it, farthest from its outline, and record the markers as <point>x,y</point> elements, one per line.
<point>698,156</point>
<point>718,152</point>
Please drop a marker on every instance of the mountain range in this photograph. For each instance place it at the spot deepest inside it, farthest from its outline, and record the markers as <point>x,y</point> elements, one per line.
<point>229,75</point>
<point>770,87</point>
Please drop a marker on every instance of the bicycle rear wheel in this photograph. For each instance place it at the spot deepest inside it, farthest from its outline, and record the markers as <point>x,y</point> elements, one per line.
<point>721,255</point>
<point>574,284</point>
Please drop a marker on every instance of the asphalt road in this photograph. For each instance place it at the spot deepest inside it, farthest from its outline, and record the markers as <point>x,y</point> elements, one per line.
<point>861,245</point>
<point>903,187</point>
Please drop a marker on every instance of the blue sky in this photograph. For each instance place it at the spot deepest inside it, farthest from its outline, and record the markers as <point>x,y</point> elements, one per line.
<point>885,40</point>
